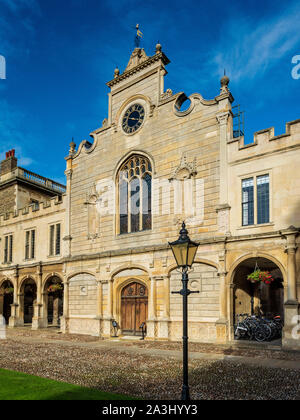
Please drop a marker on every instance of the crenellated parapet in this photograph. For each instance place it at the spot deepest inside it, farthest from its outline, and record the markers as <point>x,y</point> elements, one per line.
<point>265,142</point>
<point>35,210</point>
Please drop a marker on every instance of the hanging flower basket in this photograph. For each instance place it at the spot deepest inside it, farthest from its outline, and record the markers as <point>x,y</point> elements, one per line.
<point>9,290</point>
<point>259,276</point>
<point>55,288</point>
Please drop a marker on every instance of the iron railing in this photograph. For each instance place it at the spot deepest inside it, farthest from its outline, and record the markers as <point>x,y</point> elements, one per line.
<point>238,122</point>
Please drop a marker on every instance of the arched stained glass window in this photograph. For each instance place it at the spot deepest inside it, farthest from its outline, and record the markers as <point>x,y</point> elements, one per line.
<point>135,193</point>
<point>123,186</point>
<point>147,192</point>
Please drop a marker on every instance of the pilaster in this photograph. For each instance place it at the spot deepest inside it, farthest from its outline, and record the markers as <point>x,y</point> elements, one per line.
<point>223,209</point>
<point>291,306</point>
<point>222,323</point>
<point>13,320</point>
<point>108,315</point>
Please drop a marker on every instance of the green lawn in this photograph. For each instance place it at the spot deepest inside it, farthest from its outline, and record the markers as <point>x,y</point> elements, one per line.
<point>20,386</point>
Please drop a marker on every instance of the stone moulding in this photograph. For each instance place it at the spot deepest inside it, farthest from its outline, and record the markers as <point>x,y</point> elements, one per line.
<point>54,204</point>
<point>86,146</point>
<point>160,56</point>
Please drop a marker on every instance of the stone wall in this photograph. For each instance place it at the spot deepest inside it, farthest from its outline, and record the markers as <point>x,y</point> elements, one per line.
<point>7,199</point>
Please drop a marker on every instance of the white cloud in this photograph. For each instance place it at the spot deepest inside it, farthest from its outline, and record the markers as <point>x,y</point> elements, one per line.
<point>249,48</point>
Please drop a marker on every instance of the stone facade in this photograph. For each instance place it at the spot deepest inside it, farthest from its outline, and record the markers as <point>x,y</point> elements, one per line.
<point>7,199</point>
<point>197,168</point>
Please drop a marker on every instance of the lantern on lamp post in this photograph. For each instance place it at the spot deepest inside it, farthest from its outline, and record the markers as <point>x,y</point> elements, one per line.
<point>184,251</point>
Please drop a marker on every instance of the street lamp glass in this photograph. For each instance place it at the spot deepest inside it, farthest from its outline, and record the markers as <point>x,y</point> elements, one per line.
<point>184,250</point>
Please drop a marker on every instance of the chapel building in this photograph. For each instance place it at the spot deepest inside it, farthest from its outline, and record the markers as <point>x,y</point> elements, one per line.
<point>159,158</point>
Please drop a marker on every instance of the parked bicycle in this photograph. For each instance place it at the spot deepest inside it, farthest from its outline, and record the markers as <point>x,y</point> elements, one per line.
<point>258,328</point>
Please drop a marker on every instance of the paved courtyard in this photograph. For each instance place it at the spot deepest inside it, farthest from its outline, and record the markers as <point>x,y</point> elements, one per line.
<point>152,370</point>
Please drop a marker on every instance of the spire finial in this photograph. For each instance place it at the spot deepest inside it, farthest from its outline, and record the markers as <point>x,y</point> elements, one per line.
<point>116,72</point>
<point>158,47</point>
<point>72,147</point>
<point>224,83</point>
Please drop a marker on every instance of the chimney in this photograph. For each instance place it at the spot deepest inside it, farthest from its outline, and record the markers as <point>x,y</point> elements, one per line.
<point>9,164</point>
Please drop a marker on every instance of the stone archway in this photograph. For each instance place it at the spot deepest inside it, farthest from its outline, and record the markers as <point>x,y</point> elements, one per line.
<point>28,294</point>
<point>53,301</point>
<point>268,299</point>
<point>134,307</point>
<point>6,299</point>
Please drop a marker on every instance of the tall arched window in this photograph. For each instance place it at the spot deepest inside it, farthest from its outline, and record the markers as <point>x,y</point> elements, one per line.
<point>135,192</point>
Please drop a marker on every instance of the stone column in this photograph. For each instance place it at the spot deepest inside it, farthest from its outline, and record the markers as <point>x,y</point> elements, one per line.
<point>230,303</point>
<point>68,237</point>
<point>108,316</point>
<point>164,322</point>
<point>151,321</point>
<point>291,270</point>
<point>291,306</point>
<point>37,320</point>
<point>13,320</point>
<point>64,322</point>
<point>55,311</point>
<point>99,314</point>
<point>223,209</point>
<point>222,323</point>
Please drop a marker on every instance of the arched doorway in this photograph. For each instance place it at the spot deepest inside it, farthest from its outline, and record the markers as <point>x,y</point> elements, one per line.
<point>28,291</point>
<point>134,308</point>
<point>6,299</point>
<point>53,301</point>
<point>263,299</point>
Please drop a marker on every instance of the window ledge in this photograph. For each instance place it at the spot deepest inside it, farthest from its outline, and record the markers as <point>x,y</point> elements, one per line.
<point>128,235</point>
<point>256,226</point>
<point>54,256</point>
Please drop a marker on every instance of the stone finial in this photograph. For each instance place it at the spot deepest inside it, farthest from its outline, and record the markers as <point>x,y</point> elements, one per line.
<point>224,83</point>
<point>116,72</point>
<point>72,147</point>
<point>158,48</point>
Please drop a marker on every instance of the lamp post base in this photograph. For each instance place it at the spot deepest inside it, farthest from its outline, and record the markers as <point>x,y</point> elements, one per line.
<point>185,393</point>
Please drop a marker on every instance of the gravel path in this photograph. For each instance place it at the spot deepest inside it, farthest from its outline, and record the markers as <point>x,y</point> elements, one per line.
<point>114,370</point>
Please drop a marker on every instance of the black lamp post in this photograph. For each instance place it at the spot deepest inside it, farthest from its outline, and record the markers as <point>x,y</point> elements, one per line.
<point>184,251</point>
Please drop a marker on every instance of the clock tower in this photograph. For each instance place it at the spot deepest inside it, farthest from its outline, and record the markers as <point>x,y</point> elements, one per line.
<point>137,91</point>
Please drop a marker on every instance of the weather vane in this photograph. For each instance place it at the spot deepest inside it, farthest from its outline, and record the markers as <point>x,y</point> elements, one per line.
<point>138,36</point>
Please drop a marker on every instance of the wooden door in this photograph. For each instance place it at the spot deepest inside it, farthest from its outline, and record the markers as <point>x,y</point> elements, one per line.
<point>134,308</point>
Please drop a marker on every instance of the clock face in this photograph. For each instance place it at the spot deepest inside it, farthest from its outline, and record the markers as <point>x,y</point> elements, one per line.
<point>133,118</point>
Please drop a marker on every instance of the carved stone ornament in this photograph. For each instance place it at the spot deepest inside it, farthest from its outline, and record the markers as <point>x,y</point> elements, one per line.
<point>167,94</point>
<point>137,57</point>
<point>184,170</point>
<point>92,196</point>
<point>92,199</point>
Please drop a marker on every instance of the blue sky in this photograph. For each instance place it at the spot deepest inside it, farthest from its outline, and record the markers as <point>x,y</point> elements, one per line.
<point>60,54</point>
